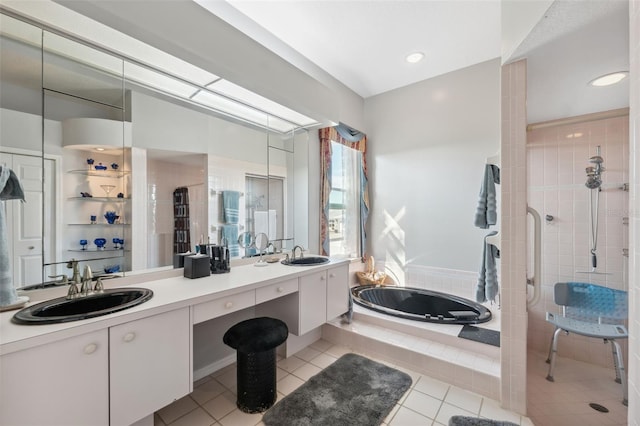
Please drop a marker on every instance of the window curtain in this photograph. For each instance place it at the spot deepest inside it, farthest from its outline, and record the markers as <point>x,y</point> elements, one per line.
<point>354,139</point>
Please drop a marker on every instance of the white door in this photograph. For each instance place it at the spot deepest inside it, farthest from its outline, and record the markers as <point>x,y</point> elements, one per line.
<point>24,220</point>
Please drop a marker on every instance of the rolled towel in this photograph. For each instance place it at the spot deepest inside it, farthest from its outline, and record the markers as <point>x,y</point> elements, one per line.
<point>486,214</point>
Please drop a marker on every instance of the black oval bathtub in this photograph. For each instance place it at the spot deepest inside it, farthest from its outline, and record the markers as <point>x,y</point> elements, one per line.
<point>419,304</point>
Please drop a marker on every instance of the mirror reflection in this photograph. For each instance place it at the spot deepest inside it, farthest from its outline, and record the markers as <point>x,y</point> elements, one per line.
<point>130,150</point>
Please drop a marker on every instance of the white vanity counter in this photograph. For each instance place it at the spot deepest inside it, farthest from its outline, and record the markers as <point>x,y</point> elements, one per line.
<point>168,294</point>
<point>122,367</point>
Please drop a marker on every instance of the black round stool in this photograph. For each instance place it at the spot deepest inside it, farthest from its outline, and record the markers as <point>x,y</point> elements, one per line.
<point>255,341</point>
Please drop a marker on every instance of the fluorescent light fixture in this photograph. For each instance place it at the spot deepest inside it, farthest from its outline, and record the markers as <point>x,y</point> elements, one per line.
<point>246,96</point>
<point>609,79</point>
<point>415,57</point>
<point>150,78</point>
<point>574,135</point>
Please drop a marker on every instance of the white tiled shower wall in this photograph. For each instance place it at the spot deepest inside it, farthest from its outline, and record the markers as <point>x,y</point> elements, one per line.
<point>556,161</point>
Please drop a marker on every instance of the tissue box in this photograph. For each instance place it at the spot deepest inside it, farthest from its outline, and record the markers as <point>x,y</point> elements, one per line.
<point>197,266</point>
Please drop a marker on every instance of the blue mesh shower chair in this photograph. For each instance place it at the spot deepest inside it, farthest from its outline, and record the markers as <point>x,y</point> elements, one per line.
<point>593,311</point>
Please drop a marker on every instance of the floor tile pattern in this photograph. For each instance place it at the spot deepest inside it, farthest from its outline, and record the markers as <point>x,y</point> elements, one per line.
<point>428,402</point>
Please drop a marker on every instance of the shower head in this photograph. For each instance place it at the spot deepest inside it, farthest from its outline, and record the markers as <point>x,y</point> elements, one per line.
<point>596,159</point>
<point>593,182</point>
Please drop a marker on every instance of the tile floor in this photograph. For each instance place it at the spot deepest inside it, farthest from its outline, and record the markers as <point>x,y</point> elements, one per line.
<point>428,401</point>
<point>565,402</point>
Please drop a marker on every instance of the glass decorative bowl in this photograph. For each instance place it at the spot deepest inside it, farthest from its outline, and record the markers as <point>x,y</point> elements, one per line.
<point>100,242</point>
<point>111,217</point>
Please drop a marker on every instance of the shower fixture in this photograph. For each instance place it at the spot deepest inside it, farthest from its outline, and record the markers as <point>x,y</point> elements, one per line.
<point>594,181</point>
<point>594,173</point>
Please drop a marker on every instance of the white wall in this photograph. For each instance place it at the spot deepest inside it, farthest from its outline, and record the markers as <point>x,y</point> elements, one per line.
<point>428,143</point>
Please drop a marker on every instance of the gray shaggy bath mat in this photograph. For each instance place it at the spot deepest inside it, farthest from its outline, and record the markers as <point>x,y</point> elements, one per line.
<point>352,391</point>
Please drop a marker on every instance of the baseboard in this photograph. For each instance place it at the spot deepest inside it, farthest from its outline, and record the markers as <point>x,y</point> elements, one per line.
<point>212,368</point>
<point>296,343</point>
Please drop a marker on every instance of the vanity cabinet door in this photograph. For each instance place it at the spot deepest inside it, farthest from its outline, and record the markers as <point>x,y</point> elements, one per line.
<point>60,383</point>
<point>150,363</point>
<point>312,301</point>
<point>337,291</point>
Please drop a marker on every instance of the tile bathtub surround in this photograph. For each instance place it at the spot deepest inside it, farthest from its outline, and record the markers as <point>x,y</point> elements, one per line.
<point>428,402</point>
<point>556,161</point>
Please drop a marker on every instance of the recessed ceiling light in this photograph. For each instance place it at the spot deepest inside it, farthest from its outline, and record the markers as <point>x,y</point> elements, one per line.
<point>414,57</point>
<point>99,149</point>
<point>609,79</point>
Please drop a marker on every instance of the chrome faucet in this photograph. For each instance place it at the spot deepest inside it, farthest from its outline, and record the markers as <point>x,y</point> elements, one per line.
<point>75,280</point>
<point>63,279</point>
<point>293,252</point>
<point>86,281</point>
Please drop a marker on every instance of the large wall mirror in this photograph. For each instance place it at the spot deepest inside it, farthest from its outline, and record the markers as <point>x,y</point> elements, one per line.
<point>141,165</point>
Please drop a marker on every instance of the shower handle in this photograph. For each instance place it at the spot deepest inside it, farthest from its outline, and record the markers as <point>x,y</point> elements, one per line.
<point>594,259</point>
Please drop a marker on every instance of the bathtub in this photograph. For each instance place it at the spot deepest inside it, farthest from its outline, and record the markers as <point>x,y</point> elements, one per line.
<point>419,304</point>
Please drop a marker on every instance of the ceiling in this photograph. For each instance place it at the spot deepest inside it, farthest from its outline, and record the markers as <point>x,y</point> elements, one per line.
<point>574,43</point>
<point>363,44</point>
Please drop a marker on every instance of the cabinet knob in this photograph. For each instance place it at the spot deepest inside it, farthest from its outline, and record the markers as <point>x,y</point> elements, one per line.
<point>322,278</point>
<point>129,337</point>
<point>228,305</point>
<point>31,247</point>
<point>332,275</point>
<point>280,289</point>
<point>90,348</point>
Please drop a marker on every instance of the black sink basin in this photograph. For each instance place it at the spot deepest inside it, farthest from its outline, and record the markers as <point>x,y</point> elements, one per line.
<point>306,261</point>
<point>62,309</point>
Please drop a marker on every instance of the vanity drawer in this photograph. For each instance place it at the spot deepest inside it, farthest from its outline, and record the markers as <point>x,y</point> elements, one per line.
<point>276,290</point>
<point>225,305</point>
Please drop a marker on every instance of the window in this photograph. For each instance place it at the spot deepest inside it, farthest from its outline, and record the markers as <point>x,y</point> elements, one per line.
<point>344,202</point>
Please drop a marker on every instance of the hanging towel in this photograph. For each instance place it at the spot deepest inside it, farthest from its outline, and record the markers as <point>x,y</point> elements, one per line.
<point>231,205</point>
<point>10,189</point>
<point>230,235</point>
<point>486,214</point>
<point>487,288</point>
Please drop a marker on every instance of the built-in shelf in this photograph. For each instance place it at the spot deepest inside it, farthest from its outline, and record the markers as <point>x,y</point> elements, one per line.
<point>94,250</point>
<point>102,199</point>
<point>98,224</point>
<point>101,173</point>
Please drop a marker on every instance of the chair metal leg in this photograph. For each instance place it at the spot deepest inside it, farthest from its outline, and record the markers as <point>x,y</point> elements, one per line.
<point>550,346</point>
<point>552,354</point>
<point>615,361</point>
<point>618,360</point>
